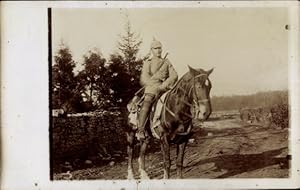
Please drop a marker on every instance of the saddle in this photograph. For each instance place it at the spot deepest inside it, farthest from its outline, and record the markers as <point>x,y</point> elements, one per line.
<point>154,121</point>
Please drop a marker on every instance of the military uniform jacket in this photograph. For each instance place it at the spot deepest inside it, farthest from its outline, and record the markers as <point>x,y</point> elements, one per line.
<point>157,75</point>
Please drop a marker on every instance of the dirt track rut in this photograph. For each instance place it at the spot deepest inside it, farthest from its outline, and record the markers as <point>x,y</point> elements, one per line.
<point>220,149</point>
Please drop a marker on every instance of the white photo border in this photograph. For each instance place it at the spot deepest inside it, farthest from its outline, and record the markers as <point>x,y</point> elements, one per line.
<point>25,99</point>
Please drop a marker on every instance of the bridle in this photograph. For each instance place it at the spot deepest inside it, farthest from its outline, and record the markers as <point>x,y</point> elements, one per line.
<point>197,101</point>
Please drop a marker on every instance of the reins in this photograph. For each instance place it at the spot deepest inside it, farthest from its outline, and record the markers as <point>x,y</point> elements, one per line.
<point>176,87</point>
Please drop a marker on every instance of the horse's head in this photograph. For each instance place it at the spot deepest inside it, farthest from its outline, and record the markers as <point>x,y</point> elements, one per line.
<point>199,93</point>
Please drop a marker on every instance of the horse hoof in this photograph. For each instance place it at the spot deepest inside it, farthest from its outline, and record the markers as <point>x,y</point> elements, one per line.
<point>166,176</point>
<point>144,175</point>
<point>130,175</point>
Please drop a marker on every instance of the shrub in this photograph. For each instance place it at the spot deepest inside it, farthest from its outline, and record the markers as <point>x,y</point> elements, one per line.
<point>277,115</point>
<point>280,115</point>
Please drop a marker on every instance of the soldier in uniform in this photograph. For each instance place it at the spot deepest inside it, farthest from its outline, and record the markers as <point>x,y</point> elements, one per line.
<point>158,76</point>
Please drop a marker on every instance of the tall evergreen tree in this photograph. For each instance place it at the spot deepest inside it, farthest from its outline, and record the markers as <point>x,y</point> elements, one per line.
<point>129,67</point>
<point>93,78</point>
<point>119,81</point>
<point>129,45</point>
<point>64,85</point>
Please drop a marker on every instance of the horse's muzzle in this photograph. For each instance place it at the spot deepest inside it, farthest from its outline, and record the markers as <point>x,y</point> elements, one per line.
<point>202,113</point>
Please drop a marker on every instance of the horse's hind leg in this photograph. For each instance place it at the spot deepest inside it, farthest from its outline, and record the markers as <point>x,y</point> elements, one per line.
<point>141,160</point>
<point>165,147</point>
<point>130,147</point>
<point>179,159</point>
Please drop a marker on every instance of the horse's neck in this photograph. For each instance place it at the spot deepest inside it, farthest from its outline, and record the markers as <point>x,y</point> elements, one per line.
<point>178,100</point>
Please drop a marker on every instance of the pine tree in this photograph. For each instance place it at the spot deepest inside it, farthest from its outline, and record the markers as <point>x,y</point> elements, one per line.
<point>119,81</point>
<point>64,85</point>
<point>129,46</point>
<point>93,78</point>
<point>130,68</point>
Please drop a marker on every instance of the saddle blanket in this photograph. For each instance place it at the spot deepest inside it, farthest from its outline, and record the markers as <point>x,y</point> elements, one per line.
<point>156,111</point>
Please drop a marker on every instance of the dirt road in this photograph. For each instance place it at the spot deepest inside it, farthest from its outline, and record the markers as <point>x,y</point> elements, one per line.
<point>220,149</point>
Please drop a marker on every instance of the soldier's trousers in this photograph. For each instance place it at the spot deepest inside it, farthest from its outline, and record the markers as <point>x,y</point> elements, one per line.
<point>148,101</point>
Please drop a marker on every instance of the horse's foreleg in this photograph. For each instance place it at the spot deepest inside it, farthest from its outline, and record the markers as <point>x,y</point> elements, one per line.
<point>130,147</point>
<point>165,147</point>
<point>141,160</point>
<point>179,159</point>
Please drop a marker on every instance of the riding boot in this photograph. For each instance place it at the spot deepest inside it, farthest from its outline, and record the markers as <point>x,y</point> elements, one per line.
<point>144,115</point>
<point>141,125</point>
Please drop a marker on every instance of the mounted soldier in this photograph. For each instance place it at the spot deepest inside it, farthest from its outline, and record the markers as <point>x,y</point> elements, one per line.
<point>157,77</point>
<point>187,100</point>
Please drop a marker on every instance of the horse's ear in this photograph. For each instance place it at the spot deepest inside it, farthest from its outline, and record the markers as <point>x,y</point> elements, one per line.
<point>193,71</point>
<point>210,71</point>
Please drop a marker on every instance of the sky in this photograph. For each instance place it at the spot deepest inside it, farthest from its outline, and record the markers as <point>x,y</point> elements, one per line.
<point>247,47</point>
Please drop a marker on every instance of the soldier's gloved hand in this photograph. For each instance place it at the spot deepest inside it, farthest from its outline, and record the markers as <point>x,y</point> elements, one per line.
<point>161,88</point>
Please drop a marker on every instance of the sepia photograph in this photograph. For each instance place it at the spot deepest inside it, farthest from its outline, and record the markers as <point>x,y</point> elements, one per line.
<point>158,93</point>
<point>150,95</point>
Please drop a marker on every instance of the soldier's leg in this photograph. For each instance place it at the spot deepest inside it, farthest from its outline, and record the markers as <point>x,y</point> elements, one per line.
<point>149,98</point>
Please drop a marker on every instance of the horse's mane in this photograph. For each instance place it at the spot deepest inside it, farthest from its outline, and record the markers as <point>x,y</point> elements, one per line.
<point>184,81</point>
<point>179,83</point>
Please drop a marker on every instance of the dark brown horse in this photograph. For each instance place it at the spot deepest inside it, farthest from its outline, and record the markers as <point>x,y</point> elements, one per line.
<point>189,99</point>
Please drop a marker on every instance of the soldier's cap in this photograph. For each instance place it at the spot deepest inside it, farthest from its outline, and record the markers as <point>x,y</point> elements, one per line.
<point>156,44</point>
